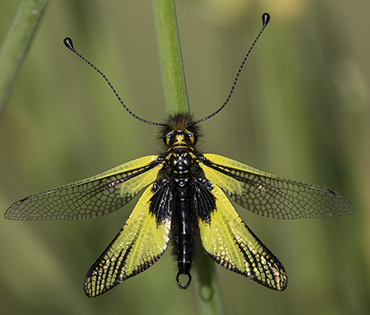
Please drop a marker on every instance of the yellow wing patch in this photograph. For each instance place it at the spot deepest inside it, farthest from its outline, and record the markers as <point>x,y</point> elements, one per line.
<point>134,185</point>
<point>139,244</point>
<point>128,166</point>
<point>222,160</point>
<point>228,184</point>
<point>233,245</point>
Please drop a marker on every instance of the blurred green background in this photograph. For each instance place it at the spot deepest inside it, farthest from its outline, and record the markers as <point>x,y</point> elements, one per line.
<point>301,110</point>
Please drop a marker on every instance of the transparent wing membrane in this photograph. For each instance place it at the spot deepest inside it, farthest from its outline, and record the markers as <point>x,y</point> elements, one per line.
<point>270,195</point>
<point>88,198</point>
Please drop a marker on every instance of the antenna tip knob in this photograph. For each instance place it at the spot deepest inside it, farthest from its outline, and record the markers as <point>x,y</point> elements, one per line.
<point>68,43</point>
<point>265,19</point>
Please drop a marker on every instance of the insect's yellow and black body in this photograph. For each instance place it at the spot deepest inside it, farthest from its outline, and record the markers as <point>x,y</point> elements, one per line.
<point>185,201</point>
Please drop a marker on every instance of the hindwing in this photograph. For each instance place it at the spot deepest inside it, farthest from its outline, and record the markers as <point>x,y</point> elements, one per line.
<point>89,198</point>
<point>229,242</point>
<point>270,195</point>
<point>139,244</point>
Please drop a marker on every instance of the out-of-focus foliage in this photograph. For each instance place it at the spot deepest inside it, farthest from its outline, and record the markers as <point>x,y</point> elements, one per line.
<point>301,110</point>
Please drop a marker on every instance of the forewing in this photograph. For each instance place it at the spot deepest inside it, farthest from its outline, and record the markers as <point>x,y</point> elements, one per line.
<point>270,195</point>
<point>137,246</point>
<point>228,241</point>
<point>91,197</point>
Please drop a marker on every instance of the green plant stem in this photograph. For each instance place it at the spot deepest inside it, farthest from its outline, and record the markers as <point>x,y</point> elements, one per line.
<point>208,287</point>
<point>176,101</point>
<point>170,59</point>
<point>17,43</point>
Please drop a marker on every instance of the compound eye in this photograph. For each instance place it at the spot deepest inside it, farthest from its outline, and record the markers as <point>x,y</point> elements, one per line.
<point>190,137</point>
<point>168,138</point>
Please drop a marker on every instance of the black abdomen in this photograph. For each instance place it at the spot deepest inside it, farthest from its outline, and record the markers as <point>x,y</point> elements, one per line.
<point>183,235</point>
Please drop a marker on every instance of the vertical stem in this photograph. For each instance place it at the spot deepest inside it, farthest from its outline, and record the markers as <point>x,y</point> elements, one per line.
<point>17,43</point>
<point>170,59</point>
<point>176,102</point>
<point>208,288</point>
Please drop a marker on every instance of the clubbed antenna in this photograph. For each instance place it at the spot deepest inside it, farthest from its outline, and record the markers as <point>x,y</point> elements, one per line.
<point>69,44</point>
<point>265,20</point>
